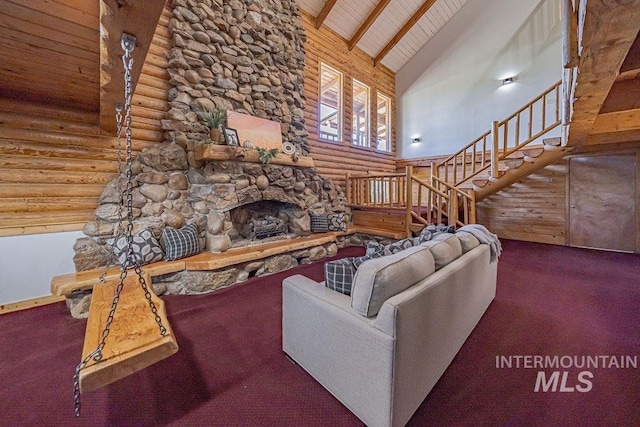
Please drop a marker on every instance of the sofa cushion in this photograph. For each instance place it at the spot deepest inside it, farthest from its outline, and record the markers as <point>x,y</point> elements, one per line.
<point>467,240</point>
<point>338,275</point>
<point>444,248</point>
<point>379,279</point>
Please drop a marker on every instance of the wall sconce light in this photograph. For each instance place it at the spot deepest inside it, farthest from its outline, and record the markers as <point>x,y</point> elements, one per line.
<point>508,81</point>
<point>414,140</point>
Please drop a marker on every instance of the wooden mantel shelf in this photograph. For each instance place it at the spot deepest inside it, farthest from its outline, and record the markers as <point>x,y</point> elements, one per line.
<point>226,152</point>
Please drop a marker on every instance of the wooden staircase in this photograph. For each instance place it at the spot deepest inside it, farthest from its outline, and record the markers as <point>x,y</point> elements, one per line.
<point>509,151</point>
<point>517,166</point>
<point>403,203</point>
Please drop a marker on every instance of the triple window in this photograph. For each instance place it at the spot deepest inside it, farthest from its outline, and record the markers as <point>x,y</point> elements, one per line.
<point>331,113</point>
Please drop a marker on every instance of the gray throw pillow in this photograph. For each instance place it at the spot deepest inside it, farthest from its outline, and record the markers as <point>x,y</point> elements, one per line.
<point>146,249</point>
<point>357,262</point>
<point>338,275</point>
<point>337,222</point>
<point>319,223</point>
<point>180,243</point>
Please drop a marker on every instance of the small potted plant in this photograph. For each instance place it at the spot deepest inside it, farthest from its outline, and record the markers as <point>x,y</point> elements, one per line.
<point>266,155</point>
<point>214,119</point>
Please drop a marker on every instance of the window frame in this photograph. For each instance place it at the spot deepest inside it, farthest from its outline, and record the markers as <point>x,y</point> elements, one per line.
<point>367,118</point>
<point>387,124</point>
<point>339,103</point>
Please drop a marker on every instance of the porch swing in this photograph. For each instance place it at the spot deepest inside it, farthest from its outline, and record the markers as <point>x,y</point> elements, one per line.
<point>127,329</point>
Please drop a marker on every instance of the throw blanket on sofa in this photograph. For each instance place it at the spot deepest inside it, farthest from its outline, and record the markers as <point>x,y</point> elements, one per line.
<point>481,233</point>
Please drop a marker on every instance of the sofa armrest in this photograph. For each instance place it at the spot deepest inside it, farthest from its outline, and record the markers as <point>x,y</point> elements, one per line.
<point>342,350</point>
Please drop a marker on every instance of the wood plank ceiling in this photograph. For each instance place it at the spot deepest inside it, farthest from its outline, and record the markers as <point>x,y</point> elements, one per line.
<point>390,31</point>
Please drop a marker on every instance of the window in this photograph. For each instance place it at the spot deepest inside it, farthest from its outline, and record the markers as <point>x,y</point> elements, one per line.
<point>330,113</point>
<point>383,110</point>
<point>361,128</point>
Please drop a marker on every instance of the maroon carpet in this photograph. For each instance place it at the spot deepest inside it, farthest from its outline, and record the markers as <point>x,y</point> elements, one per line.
<point>230,369</point>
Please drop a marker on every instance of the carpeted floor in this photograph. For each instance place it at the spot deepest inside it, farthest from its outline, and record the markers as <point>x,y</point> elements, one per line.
<point>230,370</point>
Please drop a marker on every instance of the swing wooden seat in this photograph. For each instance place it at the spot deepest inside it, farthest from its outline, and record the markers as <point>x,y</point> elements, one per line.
<point>134,341</point>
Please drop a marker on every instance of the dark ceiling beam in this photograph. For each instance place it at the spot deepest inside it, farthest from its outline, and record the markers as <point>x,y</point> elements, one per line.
<point>138,18</point>
<point>382,4</point>
<point>404,30</point>
<point>324,12</point>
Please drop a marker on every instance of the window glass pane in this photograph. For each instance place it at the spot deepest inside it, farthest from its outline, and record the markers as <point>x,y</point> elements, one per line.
<point>330,104</point>
<point>360,135</point>
<point>383,107</point>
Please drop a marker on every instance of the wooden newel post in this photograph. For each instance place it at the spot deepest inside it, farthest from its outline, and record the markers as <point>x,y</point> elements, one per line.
<point>472,208</point>
<point>349,190</point>
<point>409,184</point>
<point>453,208</point>
<point>495,149</point>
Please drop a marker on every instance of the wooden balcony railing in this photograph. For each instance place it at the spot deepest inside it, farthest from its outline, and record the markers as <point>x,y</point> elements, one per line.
<point>425,201</point>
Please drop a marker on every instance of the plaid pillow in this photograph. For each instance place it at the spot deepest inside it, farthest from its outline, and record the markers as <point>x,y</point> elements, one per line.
<point>337,222</point>
<point>338,275</point>
<point>180,243</point>
<point>146,249</point>
<point>319,223</point>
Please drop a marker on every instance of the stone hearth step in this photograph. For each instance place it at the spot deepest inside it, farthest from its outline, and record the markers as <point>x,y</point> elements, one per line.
<point>213,261</point>
<point>84,280</point>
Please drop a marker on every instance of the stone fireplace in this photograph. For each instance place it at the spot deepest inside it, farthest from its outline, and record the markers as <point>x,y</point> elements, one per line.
<point>265,219</point>
<point>247,56</point>
<point>224,198</point>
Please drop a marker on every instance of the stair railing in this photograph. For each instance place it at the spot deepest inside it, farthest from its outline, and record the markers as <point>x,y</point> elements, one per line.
<point>508,136</point>
<point>527,124</point>
<point>425,201</point>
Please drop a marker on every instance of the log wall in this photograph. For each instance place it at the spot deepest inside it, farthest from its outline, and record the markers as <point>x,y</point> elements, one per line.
<point>533,209</point>
<point>334,160</point>
<point>54,160</point>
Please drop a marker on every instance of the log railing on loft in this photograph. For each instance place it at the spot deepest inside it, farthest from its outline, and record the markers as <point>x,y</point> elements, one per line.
<point>423,202</point>
<point>526,125</point>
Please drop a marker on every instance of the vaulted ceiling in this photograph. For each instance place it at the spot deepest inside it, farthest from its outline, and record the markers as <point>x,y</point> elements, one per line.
<point>391,31</point>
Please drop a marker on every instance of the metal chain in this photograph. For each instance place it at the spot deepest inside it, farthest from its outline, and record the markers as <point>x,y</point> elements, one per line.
<point>128,43</point>
<point>118,229</point>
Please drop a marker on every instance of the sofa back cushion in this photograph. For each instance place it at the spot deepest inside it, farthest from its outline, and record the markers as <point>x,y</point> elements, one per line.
<point>379,279</point>
<point>444,248</point>
<point>467,240</point>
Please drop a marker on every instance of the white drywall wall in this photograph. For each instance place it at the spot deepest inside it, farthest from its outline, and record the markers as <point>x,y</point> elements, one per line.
<point>451,91</point>
<point>27,263</point>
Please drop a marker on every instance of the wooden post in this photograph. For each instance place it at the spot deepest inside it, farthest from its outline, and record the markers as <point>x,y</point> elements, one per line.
<point>453,207</point>
<point>349,191</point>
<point>409,185</point>
<point>472,207</point>
<point>494,150</point>
<point>569,35</point>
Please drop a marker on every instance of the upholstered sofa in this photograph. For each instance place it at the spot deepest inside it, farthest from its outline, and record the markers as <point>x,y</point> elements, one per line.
<point>381,350</point>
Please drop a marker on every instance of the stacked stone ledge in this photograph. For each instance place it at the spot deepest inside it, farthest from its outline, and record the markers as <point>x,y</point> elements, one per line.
<point>242,56</point>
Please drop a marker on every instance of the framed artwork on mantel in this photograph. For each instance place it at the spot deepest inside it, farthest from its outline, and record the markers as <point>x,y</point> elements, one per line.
<point>261,132</point>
